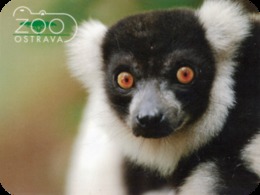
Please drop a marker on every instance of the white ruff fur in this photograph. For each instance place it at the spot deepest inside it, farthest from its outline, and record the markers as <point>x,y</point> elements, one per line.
<point>84,54</point>
<point>251,155</point>
<point>202,181</point>
<point>96,162</point>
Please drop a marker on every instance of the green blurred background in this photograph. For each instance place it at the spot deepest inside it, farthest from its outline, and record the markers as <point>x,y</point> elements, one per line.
<point>40,103</point>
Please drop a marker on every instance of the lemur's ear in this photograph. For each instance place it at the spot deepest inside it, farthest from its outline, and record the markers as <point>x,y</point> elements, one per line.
<point>84,51</point>
<point>226,23</point>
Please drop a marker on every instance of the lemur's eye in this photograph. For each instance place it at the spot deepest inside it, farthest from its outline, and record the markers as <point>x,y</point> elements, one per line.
<point>125,80</point>
<point>185,75</point>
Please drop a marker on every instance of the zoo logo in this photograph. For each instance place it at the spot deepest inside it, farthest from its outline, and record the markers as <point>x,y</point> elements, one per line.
<point>43,27</point>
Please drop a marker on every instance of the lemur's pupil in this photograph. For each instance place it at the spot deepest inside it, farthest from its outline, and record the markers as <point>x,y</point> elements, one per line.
<point>125,80</point>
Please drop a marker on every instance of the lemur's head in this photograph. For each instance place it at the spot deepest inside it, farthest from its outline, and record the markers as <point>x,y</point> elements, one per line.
<point>159,68</point>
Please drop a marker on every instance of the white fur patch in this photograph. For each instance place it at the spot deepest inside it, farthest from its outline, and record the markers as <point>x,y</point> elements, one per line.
<point>226,25</point>
<point>96,163</point>
<point>84,52</point>
<point>251,155</point>
<point>202,181</point>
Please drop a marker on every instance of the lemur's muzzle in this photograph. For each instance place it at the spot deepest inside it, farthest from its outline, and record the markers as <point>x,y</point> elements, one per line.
<point>150,118</point>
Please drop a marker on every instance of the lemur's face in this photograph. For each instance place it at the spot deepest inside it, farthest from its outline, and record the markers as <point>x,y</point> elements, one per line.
<point>157,78</point>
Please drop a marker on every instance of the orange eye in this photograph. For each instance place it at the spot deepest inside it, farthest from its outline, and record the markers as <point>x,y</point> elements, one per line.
<point>125,80</point>
<point>185,75</point>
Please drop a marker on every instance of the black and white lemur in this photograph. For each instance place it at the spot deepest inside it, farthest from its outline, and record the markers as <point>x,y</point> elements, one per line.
<point>173,104</point>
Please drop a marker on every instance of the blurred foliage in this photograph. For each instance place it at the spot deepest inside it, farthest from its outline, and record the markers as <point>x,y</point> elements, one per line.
<point>161,4</point>
<point>106,10</point>
<point>110,11</point>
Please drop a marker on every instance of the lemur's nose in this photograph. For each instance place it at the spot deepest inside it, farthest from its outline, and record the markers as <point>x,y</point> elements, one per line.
<point>151,125</point>
<point>149,121</point>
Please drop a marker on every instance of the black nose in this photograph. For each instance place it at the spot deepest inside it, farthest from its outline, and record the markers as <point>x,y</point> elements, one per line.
<point>150,121</point>
<point>153,125</point>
